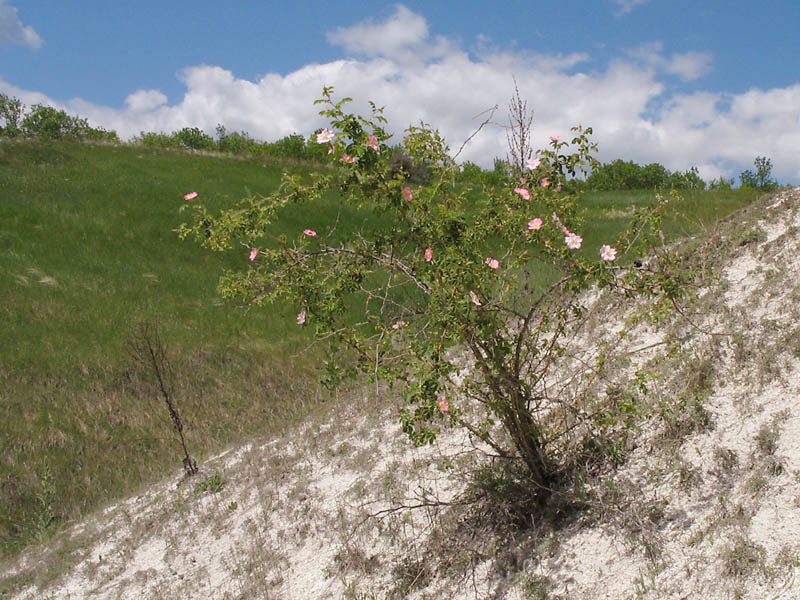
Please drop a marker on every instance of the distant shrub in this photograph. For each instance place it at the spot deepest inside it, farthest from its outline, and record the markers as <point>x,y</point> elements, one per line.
<point>190,138</point>
<point>688,180</point>
<point>46,122</point>
<point>290,146</point>
<point>193,138</point>
<point>101,134</point>
<point>156,140</point>
<point>501,172</point>
<point>470,173</point>
<point>11,110</point>
<point>622,175</point>
<point>761,179</point>
<point>617,175</point>
<point>721,183</point>
<point>748,179</point>
<point>258,148</point>
<point>235,143</point>
<point>652,176</point>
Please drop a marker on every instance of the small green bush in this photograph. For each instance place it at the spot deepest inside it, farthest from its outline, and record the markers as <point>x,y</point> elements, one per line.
<point>721,184</point>
<point>11,110</point>
<point>761,178</point>
<point>193,138</point>
<point>291,146</point>
<point>156,140</point>
<point>234,143</point>
<point>212,484</point>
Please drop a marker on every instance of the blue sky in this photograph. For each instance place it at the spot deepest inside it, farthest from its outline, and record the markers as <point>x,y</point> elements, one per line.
<point>684,83</point>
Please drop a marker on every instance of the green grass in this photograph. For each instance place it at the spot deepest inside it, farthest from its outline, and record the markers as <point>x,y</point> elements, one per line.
<point>605,214</point>
<point>87,244</point>
<point>87,251</point>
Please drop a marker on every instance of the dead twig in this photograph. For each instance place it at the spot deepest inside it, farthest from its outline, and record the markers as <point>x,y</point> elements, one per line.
<point>147,348</point>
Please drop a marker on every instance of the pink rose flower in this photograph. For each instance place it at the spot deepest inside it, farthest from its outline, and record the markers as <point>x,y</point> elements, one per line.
<point>573,241</point>
<point>535,224</point>
<point>607,252</point>
<point>324,136</point>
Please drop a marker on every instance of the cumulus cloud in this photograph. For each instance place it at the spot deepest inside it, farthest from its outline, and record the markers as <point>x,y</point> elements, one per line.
<point>687,66</point>
<point>402,37</point>
<point>401,31</point>
<point>12,31</point>
<point>28,97</point>
<point>145,100</point>
<point>630,103</point>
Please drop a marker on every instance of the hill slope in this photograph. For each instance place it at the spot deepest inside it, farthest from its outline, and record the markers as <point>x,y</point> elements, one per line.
<point>706,504</point>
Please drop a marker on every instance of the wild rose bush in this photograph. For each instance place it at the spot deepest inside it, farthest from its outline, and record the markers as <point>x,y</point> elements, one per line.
<point>437,279</point>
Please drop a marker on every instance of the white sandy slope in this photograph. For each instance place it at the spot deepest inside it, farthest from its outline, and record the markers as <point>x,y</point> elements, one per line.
<point>715,514</point>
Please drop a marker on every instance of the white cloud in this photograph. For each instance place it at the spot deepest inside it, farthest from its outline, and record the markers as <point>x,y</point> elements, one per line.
<point>28,97</point>
<point>629,104</point>
<point>402,37</point>
<point>691,65</point>
<point>145,100</point>
<point>401,31</point>
<point>687,66</point>
<point>12,31</point>
<point>626,6</point>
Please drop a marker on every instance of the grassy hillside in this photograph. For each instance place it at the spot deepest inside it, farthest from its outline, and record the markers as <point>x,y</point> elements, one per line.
<point>87,251</point>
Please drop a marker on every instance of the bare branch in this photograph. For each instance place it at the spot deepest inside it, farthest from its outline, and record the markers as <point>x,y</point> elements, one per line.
<point>518,133</point>
<point>486,121</point>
